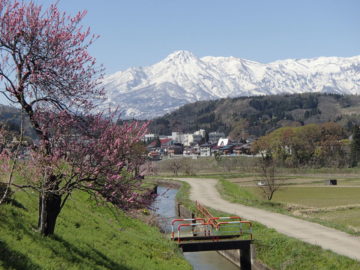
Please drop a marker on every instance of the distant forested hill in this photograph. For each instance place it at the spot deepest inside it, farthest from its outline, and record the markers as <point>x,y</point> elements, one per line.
<point>244,116</point>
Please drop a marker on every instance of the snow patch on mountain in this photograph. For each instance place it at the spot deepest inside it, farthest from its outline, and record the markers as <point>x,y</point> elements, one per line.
<point>181,78</point>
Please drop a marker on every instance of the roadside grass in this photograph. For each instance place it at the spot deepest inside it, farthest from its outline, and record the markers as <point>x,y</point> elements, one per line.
<point>282,252</point>
<point>349,218</point>
<point>244,195</point>
<point>87,236</point>
<point>291,200</point>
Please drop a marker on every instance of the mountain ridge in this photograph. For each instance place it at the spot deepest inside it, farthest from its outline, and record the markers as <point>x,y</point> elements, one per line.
<point>182,78</point>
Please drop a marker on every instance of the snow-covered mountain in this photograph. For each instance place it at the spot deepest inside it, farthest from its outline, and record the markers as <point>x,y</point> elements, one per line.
<point>181,78</point>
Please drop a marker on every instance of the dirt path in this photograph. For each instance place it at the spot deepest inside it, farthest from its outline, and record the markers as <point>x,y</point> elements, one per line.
<point>204,191</point>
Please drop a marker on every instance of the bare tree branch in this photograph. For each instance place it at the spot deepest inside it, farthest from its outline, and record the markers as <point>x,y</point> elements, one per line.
<point>14,161</point>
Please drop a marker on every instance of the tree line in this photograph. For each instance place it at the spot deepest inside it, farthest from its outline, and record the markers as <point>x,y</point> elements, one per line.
<point>318,145</point>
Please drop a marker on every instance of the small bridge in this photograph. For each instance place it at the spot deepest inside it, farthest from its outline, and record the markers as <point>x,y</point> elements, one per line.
<point>214,233</point>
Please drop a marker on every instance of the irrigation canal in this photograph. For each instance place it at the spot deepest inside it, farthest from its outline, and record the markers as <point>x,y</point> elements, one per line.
<point>165,206</point>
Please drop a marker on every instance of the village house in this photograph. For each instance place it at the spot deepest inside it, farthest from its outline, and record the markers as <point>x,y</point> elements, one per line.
<point>227,149</point>
<point>149,137</point>
<point>215,136</point>
<point>175,149</point>
<point>189,144</point>
<point>205,150</point>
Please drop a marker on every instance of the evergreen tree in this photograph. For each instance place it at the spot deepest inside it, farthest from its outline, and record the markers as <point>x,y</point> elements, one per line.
<point>206,137</point>
<point>158,142</point>
<point>355,146</point>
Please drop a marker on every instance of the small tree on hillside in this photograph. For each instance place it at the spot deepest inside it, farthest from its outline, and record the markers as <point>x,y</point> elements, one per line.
<point>175,164</point>
<point>149,168</point>
<point>268,182</point>
<point>187,166</point>
<point>228,163</point>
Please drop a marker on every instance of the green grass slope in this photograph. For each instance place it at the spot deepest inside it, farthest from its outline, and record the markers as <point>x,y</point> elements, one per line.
<point>87,236</point>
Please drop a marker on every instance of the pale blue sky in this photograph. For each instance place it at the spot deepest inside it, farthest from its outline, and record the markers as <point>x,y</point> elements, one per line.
<point>142,32</point>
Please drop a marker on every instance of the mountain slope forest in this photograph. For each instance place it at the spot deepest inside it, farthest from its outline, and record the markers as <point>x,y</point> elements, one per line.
<point>256,116</point>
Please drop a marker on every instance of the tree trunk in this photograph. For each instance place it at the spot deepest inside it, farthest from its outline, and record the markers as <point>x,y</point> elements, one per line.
<point>49,209</point>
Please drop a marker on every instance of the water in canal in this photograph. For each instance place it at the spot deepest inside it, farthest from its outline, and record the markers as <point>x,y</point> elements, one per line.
<point>206,260</point>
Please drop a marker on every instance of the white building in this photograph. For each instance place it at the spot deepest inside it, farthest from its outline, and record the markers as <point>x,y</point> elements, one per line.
<point>223,142</point>
<point>205,151</point>
<point>177,137</point>
<point>196,138</point>
<point>149,137</point>
<point>215,136</point>
<point>200,132</point>
<point>186,139</point>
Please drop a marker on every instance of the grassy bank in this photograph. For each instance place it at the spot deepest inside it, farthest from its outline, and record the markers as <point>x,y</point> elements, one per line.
<point>87,236</point>
<point>281,252</point>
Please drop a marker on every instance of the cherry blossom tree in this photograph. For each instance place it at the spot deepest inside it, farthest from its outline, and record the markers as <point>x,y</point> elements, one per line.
<point>45,69</point>
<point>44,59</point>
<point>90,153</point>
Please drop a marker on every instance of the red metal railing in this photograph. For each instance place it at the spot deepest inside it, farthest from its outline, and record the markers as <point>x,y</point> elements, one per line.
<point>204,225</point>
<point>181,220</point>
<point>213,227</point>
<point>223,227</point>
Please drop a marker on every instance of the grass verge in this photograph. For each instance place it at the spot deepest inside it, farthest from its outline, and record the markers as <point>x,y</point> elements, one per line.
<point>282,252</point>
<point>87,236</point>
